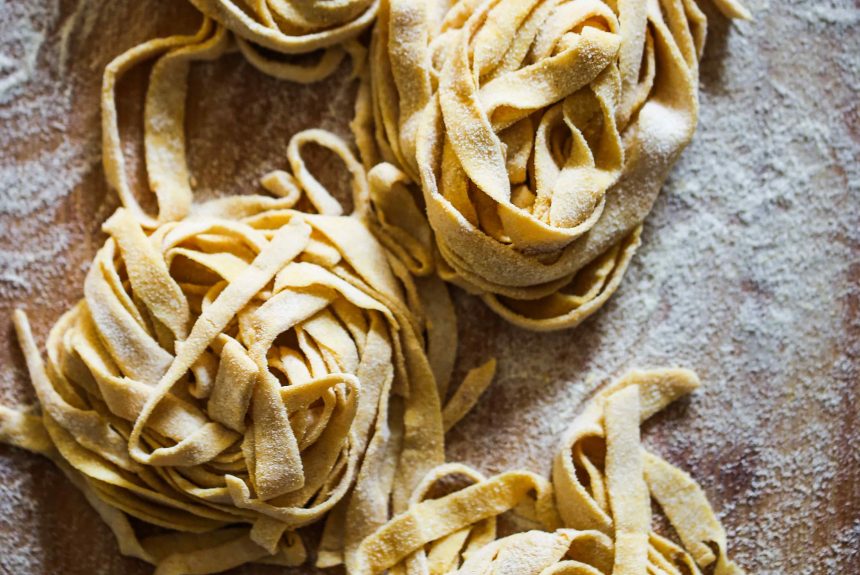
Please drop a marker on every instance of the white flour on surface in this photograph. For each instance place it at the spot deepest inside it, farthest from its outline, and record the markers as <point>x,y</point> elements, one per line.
<point>748,274</point>
<point>41,160</point>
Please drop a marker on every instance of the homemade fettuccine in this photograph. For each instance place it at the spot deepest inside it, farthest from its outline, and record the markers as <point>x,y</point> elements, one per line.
<point>242,368</point>
<point>230,377</point>
<point>539,132</point>
<point>599,522</point>
<point>239,369</point>
<point>291,27</point>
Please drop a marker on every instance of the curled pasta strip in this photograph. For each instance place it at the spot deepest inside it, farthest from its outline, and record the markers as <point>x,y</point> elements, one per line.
<point>605,480</point>
<point>168,175</point>
<point>164,120</point>
<point>603,483</point>
<point>295,27</point>
<point>433,534</point>
<point>540,133</point>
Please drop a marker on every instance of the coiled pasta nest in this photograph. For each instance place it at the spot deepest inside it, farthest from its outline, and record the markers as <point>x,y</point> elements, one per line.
<point>593,519</point>
<point>241,368</point>
<point>231,378</point>
<point>539,133</point>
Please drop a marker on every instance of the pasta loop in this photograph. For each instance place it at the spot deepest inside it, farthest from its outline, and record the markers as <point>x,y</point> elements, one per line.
<point>164,120</point>
<point>290,27</point>
<point>165,143</point>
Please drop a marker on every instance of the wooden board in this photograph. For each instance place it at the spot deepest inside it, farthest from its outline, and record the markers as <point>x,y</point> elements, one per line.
<point>748,274</point>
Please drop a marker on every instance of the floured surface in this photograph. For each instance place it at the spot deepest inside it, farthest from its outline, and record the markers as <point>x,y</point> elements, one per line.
<point>748,273</point>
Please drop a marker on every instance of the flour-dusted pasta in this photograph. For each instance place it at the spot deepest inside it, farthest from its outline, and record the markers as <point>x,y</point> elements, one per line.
<point>168,176</point>
<point>594,519</point>
<point>239,369</point>
<point>539,133</point>
<point>603,478</point>
<point>224,372</point>
<point>291,27</point>
<point>164,120</point>
<point>441,531</point>
<point>236,375</point>
<point>242,368</point>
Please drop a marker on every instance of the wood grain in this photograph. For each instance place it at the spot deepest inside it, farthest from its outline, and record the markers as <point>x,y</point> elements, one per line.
<point>772,436</point>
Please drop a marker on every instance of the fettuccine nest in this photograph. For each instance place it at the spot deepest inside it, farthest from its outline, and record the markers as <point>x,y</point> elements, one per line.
<point>221,373</point>
<point>593,519</point>
<point>240,369</point>
<point>539,133</point>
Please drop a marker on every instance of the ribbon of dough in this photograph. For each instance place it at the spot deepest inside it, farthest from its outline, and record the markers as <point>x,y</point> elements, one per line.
<point>168,175</point>
<point>164,120</point>
<point>295,27</point>
<point>605,480</point>
<point>539,132</point>
<point>595,518</point>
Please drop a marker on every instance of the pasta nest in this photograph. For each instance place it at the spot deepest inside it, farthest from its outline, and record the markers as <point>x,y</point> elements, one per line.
<point>241,368</point>
<point>539,133</point>
<point>231,376</point>
<point>594,518</point>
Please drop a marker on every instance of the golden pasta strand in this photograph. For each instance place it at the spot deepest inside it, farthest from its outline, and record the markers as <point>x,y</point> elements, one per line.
<point>294,28</point>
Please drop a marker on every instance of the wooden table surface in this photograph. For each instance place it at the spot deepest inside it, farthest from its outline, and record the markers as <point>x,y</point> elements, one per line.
<point>748,274</point>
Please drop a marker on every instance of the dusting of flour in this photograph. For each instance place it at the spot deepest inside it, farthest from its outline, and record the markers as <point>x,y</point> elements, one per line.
<point>748,273</point>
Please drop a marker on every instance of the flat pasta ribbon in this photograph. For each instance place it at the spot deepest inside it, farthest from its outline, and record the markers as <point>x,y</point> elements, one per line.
<point>603,483</point>
<point>291,27</point>
<point>164,141</point>
<point>164,120</point>
<point>433,533</point>
<point>604,480</point>
<point>539,132</point>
